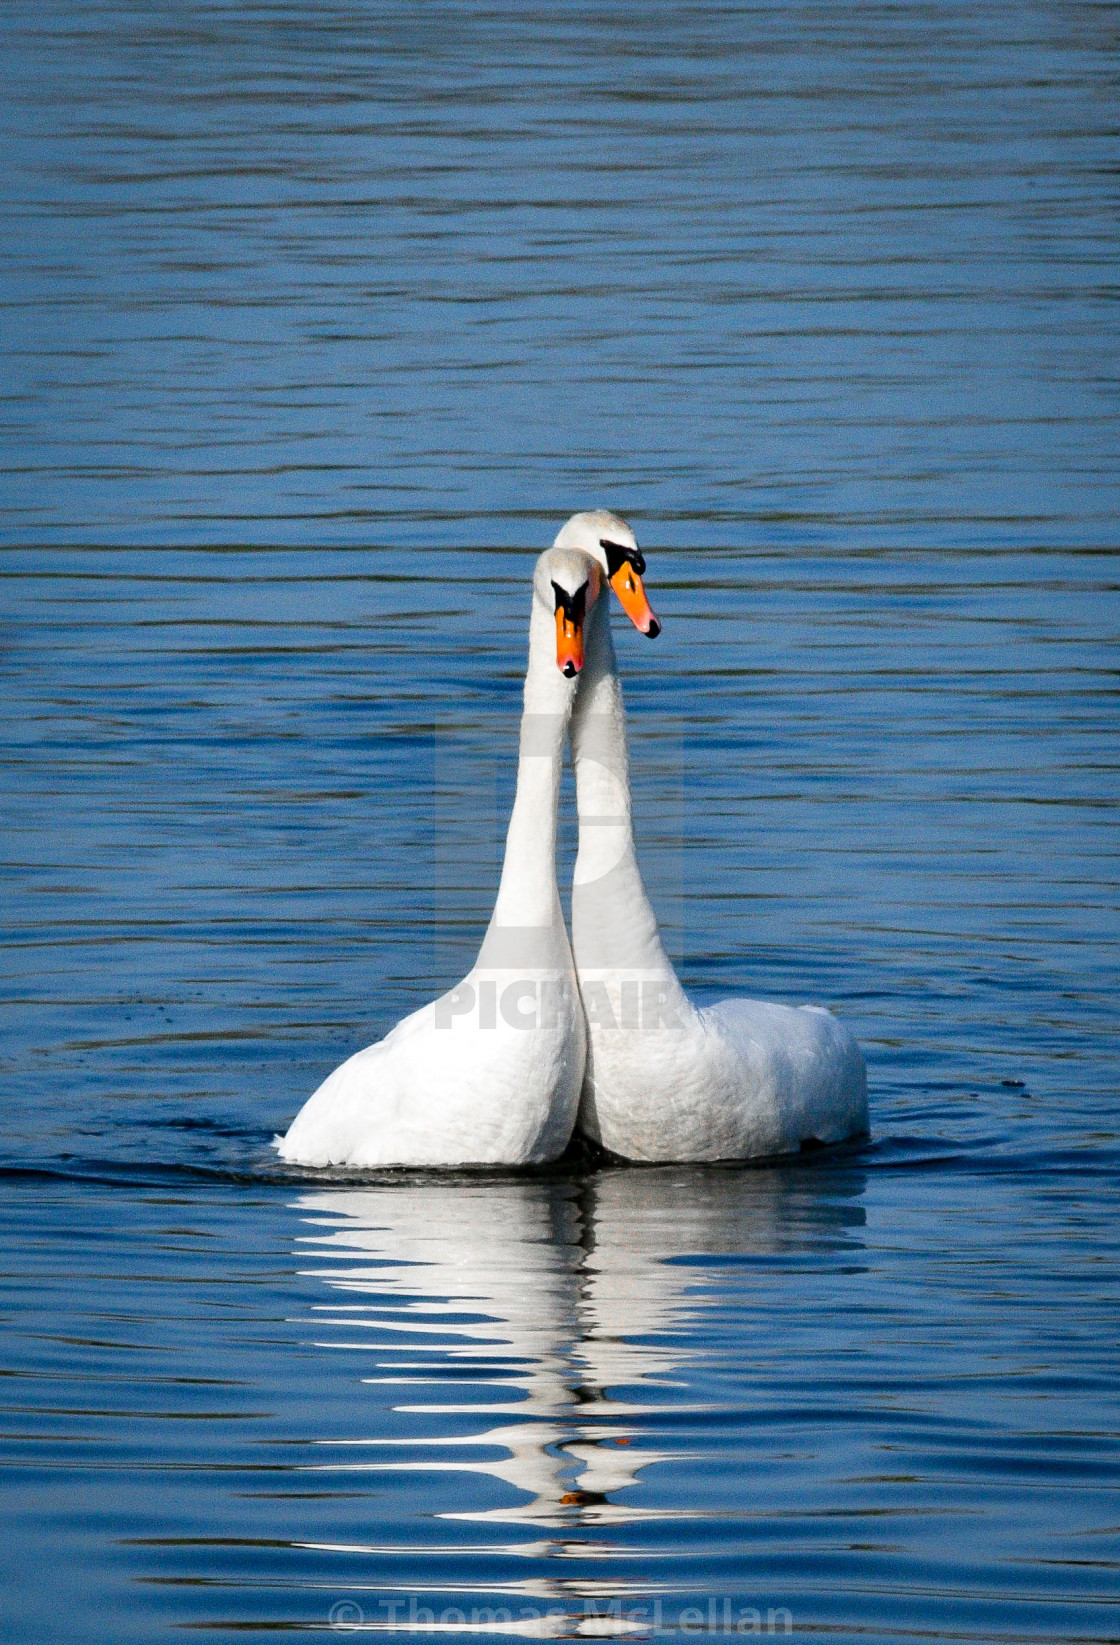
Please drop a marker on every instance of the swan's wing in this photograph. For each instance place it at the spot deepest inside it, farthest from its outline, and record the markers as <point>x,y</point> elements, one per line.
<point>366,1091</point>
<point>443,1089</point>
<point>807,1062</point>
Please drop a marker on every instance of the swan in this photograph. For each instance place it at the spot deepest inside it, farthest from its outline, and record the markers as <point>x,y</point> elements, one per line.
<point>490,1073</point>
<point>665,1080</point>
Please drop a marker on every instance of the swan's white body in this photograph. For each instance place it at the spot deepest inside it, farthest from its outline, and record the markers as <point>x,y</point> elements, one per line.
<point>665,1080</point>
<point>490,1074</point>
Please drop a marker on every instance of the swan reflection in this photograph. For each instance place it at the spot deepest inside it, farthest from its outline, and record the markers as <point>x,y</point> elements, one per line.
<point>548,1319</point>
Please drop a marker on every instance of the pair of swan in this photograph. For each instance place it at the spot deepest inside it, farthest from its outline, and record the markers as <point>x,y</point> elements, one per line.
<point>541,1033</point>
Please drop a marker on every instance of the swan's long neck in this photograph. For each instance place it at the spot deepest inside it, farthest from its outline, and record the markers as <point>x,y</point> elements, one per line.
<point>613,924</point>
<point>528,903</point>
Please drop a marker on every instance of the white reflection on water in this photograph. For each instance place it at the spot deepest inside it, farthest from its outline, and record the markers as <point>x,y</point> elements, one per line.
<point>550,1289</point>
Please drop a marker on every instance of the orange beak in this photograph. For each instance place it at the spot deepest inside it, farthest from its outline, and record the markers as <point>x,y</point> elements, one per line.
<point>569,632</point>
<point>632,596</point>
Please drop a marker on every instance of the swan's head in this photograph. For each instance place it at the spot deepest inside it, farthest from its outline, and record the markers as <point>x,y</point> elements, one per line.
<point>614,548</point>
<point>568,582</point>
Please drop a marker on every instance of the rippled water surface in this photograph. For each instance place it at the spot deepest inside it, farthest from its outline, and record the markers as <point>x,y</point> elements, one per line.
<point>314,325</point>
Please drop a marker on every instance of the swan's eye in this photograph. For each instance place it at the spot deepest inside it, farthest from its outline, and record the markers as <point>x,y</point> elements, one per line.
<point>620,554</point>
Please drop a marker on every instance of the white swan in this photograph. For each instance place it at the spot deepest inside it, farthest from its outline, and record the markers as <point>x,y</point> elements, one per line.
<point>491,1072</point>
<point>664,1080</point>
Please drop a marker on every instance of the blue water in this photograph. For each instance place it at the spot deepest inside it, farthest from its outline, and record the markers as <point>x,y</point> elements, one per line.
<point>314,325</point>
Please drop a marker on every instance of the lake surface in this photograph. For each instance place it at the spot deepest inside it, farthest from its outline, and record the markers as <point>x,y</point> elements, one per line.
<point>315,323</point>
